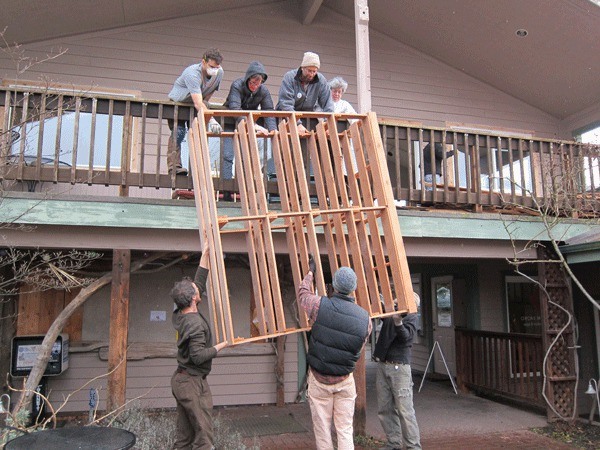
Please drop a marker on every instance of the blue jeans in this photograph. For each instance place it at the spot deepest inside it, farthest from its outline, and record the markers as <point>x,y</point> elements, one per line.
<point>228,156</point>
<point>395,405</point>
<point>428,178</point>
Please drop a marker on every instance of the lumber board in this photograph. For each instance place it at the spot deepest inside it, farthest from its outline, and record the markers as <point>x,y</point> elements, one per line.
<point>354,211</point>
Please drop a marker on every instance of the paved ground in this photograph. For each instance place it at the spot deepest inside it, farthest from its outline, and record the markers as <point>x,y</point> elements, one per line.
<point>446,420</point>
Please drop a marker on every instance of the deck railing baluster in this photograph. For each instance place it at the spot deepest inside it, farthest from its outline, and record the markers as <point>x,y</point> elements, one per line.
<point>40,146</point>
<point>92,142</point>
<point>75,140</point>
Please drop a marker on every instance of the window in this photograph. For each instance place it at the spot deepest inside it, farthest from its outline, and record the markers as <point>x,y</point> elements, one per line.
<point>591,169</point>
<point>30,133</point>
<point>27,131</point>
<point>523,306</point>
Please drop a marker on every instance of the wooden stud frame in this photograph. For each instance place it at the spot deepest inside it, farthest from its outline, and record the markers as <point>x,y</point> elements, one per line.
<point>354,211</point>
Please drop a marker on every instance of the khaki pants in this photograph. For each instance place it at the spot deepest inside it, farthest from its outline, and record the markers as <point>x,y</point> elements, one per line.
<point>194,412</point>
<point>395,405</point>
<point>332,401</point>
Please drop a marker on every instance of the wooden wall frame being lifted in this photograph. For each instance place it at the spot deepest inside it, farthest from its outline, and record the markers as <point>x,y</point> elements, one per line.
<point>356,214</point>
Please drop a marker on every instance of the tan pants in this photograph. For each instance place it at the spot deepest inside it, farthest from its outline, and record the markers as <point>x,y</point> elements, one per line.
<point>332,401</point>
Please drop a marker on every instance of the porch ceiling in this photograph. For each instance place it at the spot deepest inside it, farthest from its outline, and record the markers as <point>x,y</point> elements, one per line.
<point>555,68</point>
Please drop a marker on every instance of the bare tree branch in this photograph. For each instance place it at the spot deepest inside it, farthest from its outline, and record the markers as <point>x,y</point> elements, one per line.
<point>45,349</point>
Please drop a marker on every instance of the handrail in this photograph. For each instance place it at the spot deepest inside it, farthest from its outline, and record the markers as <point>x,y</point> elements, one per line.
<point>97,139</point>
<point>502,364</point>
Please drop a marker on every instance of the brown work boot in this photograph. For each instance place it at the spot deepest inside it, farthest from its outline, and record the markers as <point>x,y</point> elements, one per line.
<point>179,170</point>
<point>174,158</point>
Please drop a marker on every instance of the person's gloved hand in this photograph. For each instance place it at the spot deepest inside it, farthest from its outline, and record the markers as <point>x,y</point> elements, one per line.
<point>260,130</point>
<point>312,266</point>
<point>214,127</point>
<point>397,319</point>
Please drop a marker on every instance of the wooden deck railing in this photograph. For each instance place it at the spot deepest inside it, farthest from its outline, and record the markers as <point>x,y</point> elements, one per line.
<point>79,138</point>
<point>503,364</point>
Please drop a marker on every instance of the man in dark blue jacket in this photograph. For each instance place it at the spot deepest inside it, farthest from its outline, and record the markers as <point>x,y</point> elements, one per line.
<point>247,93</point>
<point>394,380</point>
<point>339,331</point>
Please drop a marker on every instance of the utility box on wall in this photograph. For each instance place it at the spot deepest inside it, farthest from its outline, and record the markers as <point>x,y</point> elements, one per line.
<point>25,350</point>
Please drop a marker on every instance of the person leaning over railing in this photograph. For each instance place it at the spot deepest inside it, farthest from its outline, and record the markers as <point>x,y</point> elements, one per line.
<point>338,87</point>
<point>305,89</point>
<point>247,93</point>
<point>196,85</point>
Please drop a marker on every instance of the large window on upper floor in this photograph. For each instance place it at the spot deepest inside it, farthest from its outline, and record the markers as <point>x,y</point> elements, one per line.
<point>61,129</point>
<point>591,166</point>
<point>105,151</point>
<point>498,170</point>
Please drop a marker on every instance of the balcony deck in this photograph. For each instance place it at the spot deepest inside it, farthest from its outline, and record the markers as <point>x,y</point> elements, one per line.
<point>104,145</point>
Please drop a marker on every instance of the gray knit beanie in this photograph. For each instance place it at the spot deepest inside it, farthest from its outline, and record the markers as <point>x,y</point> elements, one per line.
<point>344,280</point>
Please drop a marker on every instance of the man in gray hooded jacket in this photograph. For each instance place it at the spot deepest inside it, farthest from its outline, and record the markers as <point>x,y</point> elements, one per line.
<point>247,93</point>
<point>305,89</point>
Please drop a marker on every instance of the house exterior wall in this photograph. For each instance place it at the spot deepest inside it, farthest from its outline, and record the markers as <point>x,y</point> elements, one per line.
<point>405,83</point>
<point>493,306</point>
<point>240,375</point>
<point>234,379</point>
<point>150,293</point>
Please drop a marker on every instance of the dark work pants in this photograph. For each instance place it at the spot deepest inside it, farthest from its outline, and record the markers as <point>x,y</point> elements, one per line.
<point>194,412</point>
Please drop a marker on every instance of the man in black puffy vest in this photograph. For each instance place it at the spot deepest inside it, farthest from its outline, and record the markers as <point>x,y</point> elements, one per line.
<point>340,329</point>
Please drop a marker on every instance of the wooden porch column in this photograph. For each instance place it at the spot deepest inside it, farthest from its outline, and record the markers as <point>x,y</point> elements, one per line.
<point>280,370</point>
<point>363,77</point>
<point>360,407</point>
<point>363,62</point>
<point>119,327</point>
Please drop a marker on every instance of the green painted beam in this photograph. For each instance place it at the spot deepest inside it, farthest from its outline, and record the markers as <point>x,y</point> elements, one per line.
<point>181,215</point>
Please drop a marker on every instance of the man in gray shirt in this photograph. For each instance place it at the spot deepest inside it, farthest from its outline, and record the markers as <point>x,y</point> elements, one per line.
<point>196,85</point>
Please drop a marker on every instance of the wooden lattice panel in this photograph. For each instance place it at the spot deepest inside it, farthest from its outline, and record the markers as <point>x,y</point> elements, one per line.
<point>354,212</point>
<point>560,370</point>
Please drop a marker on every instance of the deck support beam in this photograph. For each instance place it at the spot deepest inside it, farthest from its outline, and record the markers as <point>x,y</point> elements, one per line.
<point>118,329</point>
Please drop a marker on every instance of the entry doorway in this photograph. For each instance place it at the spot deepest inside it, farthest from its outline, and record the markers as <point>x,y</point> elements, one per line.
<point>443,324</point>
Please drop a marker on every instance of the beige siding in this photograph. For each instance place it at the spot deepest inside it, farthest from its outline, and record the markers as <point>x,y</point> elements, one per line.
<point>234,380</point>
<point>420,355</point>
<point>491,295</point>
<point>405,83</point>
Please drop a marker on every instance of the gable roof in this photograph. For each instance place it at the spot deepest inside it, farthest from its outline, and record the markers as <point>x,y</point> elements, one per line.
<point>555,68</point>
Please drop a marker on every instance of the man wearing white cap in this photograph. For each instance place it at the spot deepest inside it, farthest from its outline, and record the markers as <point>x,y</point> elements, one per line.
<point>305,89</point>
<point>339,331</point>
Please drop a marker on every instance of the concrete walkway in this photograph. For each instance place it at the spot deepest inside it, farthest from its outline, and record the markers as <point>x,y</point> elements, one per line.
<point>446,420</point>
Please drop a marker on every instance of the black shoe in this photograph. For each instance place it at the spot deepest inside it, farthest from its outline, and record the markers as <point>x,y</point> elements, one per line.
<point>227,196</point>
<point>179,170</point>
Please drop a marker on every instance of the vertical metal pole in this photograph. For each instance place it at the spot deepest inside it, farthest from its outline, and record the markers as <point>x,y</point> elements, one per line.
<point>363,62</point>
